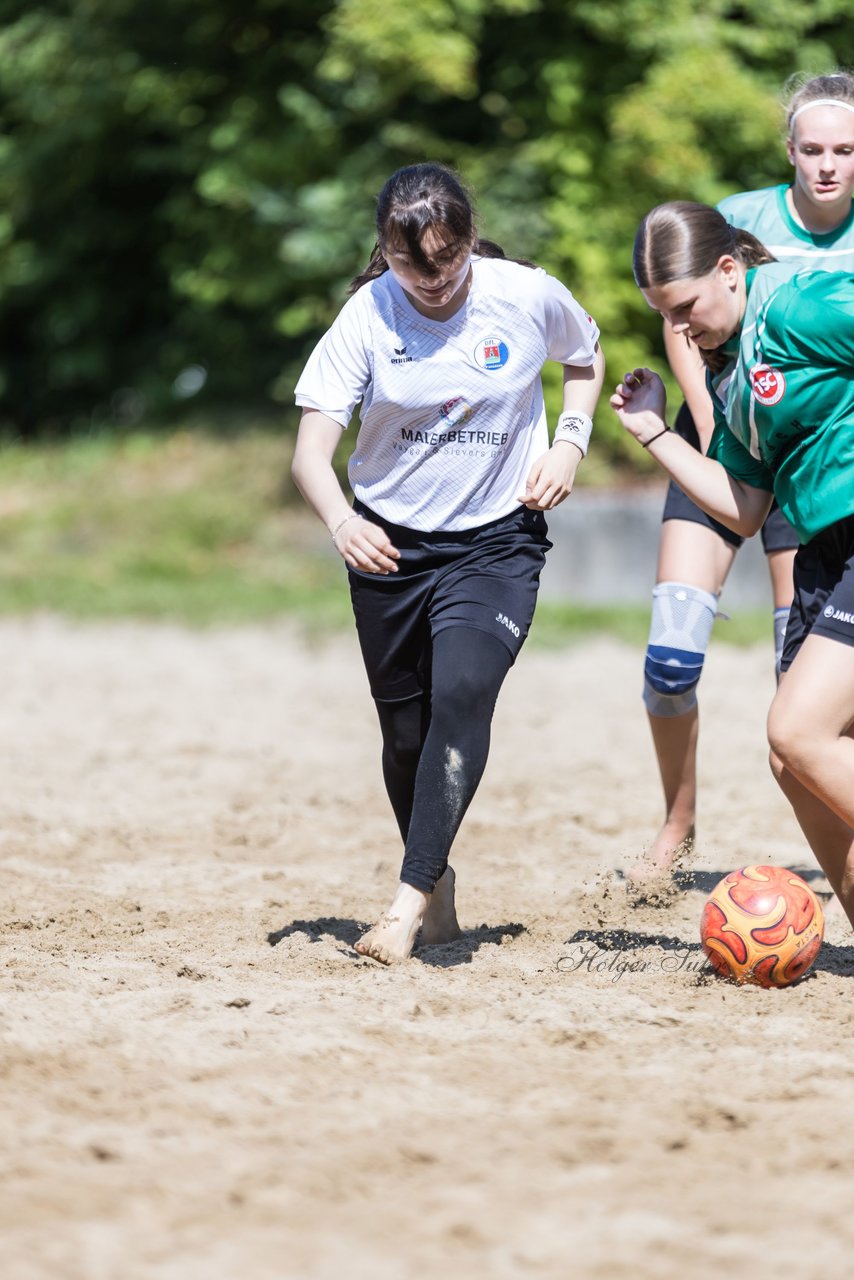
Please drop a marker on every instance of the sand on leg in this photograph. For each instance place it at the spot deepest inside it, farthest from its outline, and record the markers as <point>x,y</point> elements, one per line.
<point>675,740</point>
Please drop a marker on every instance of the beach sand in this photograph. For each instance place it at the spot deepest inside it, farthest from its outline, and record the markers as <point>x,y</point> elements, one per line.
<point>201,1078</point>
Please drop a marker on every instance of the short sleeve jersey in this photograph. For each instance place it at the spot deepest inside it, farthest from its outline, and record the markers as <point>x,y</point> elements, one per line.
<point>452,413</point>
<point>784,406</point>
<point>766,215</point>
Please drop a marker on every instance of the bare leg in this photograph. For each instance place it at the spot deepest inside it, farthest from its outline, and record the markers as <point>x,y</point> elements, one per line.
<point>440,922</point>
<point>675,741</point>
<point>810,731</point>
<point>831,839</point>
<point>692,554</point>
<point>393,936</point>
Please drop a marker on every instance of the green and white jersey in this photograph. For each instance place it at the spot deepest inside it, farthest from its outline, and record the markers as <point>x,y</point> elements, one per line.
<point>766,215</point>
<point>784,405</point>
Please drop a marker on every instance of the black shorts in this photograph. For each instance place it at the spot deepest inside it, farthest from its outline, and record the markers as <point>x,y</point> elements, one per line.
<point>824,590</point>
<point>777,533</point>
<point>485,578</point>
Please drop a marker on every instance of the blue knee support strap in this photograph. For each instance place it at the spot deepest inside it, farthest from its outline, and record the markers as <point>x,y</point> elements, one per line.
<point>679,632</point>
<point>781,618</point>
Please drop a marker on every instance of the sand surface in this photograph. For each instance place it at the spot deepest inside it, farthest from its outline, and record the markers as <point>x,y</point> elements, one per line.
<point>200,1077</point>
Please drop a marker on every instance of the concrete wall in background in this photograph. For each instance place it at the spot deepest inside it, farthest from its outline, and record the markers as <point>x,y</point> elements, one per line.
<point>606,547</point>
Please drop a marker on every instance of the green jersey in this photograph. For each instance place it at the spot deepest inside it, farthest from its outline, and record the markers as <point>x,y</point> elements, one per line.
<point>784,404</point>
<point>766,215</point>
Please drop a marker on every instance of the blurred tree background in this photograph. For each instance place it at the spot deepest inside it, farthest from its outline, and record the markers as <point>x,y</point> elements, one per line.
<point>188,185</point>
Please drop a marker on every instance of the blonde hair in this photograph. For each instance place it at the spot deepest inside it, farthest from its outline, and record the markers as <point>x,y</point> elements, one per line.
<point>836,86</point>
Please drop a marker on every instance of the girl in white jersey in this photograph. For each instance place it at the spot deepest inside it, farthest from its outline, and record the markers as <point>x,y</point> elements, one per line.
<point>810,223</point>
<point>442,343</point>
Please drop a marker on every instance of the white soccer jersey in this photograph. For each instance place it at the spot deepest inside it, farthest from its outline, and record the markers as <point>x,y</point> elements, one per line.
<point>452,414</point>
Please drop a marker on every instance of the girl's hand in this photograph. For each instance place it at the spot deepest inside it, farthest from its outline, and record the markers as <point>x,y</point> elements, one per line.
<point>551,478</point>
<point>640,403</point>
<point>365,546</point>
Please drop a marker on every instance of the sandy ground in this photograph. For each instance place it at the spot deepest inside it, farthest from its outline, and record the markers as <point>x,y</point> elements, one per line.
<point>200,1078</point>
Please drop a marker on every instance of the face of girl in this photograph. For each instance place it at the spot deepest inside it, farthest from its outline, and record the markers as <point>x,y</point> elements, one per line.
<point>437,290</point>
<point>822,150</point>
<point>707,309</point>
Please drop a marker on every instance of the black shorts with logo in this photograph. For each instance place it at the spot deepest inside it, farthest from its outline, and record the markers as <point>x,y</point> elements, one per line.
<point>485,578</point>
<point>824,590</point>
<point>777,533</point>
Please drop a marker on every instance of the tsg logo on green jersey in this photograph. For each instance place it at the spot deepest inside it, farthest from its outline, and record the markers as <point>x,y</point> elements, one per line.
<point>768,385</point>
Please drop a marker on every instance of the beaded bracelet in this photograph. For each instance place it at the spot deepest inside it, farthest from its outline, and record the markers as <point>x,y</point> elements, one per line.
<point>354,516</point>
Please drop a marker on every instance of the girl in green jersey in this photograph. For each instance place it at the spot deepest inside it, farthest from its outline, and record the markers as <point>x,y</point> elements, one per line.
<point>809,223</point>
<point>778,345</point>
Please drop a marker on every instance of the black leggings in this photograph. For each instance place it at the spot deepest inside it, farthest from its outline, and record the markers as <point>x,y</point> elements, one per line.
<point>435,747</point>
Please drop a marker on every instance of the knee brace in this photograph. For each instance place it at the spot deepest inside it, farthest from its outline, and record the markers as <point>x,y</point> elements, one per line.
<point>679,632</point>
<point>781,617</point>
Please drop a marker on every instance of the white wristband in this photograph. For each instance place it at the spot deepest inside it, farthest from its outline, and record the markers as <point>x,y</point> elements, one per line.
<point>575,427</point>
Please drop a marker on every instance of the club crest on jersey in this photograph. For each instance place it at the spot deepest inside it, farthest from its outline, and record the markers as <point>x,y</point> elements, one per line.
<point>456,411</point>
<point>767,385</point>
<point>491,353</point>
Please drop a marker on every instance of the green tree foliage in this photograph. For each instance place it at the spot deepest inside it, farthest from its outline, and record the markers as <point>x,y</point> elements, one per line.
<point>188,186</point>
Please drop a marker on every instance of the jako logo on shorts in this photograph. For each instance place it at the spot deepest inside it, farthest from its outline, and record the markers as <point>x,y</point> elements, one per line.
<point>838,615</point>
<point>509,624</point>
<point>491,353</point>
<point>768,385</point>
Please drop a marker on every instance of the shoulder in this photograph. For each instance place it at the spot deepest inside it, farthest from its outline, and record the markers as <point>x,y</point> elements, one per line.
<point>779,273</point>
<point>501,275</point>
<point>799,306</point>
<point>370,296</point>
<point>530,289</point>
<point>822,290</point>
<point>361,307</point>
<point>746,207</point>
<point>788,280</point>
<point>776,278</point>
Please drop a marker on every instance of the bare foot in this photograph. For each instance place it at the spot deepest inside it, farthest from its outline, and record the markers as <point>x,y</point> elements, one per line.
<point>393,936</point>
<point>440,922</point>
<point>651,880</point>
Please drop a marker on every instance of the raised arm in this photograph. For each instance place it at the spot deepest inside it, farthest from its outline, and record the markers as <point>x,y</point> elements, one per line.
<point>639,403</point>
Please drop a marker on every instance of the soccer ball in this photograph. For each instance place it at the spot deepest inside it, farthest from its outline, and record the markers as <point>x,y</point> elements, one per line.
<point>762,925</point>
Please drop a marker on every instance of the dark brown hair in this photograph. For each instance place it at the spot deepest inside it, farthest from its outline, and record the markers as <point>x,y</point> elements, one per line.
<point>683,240</point>
<point>414,200</point>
